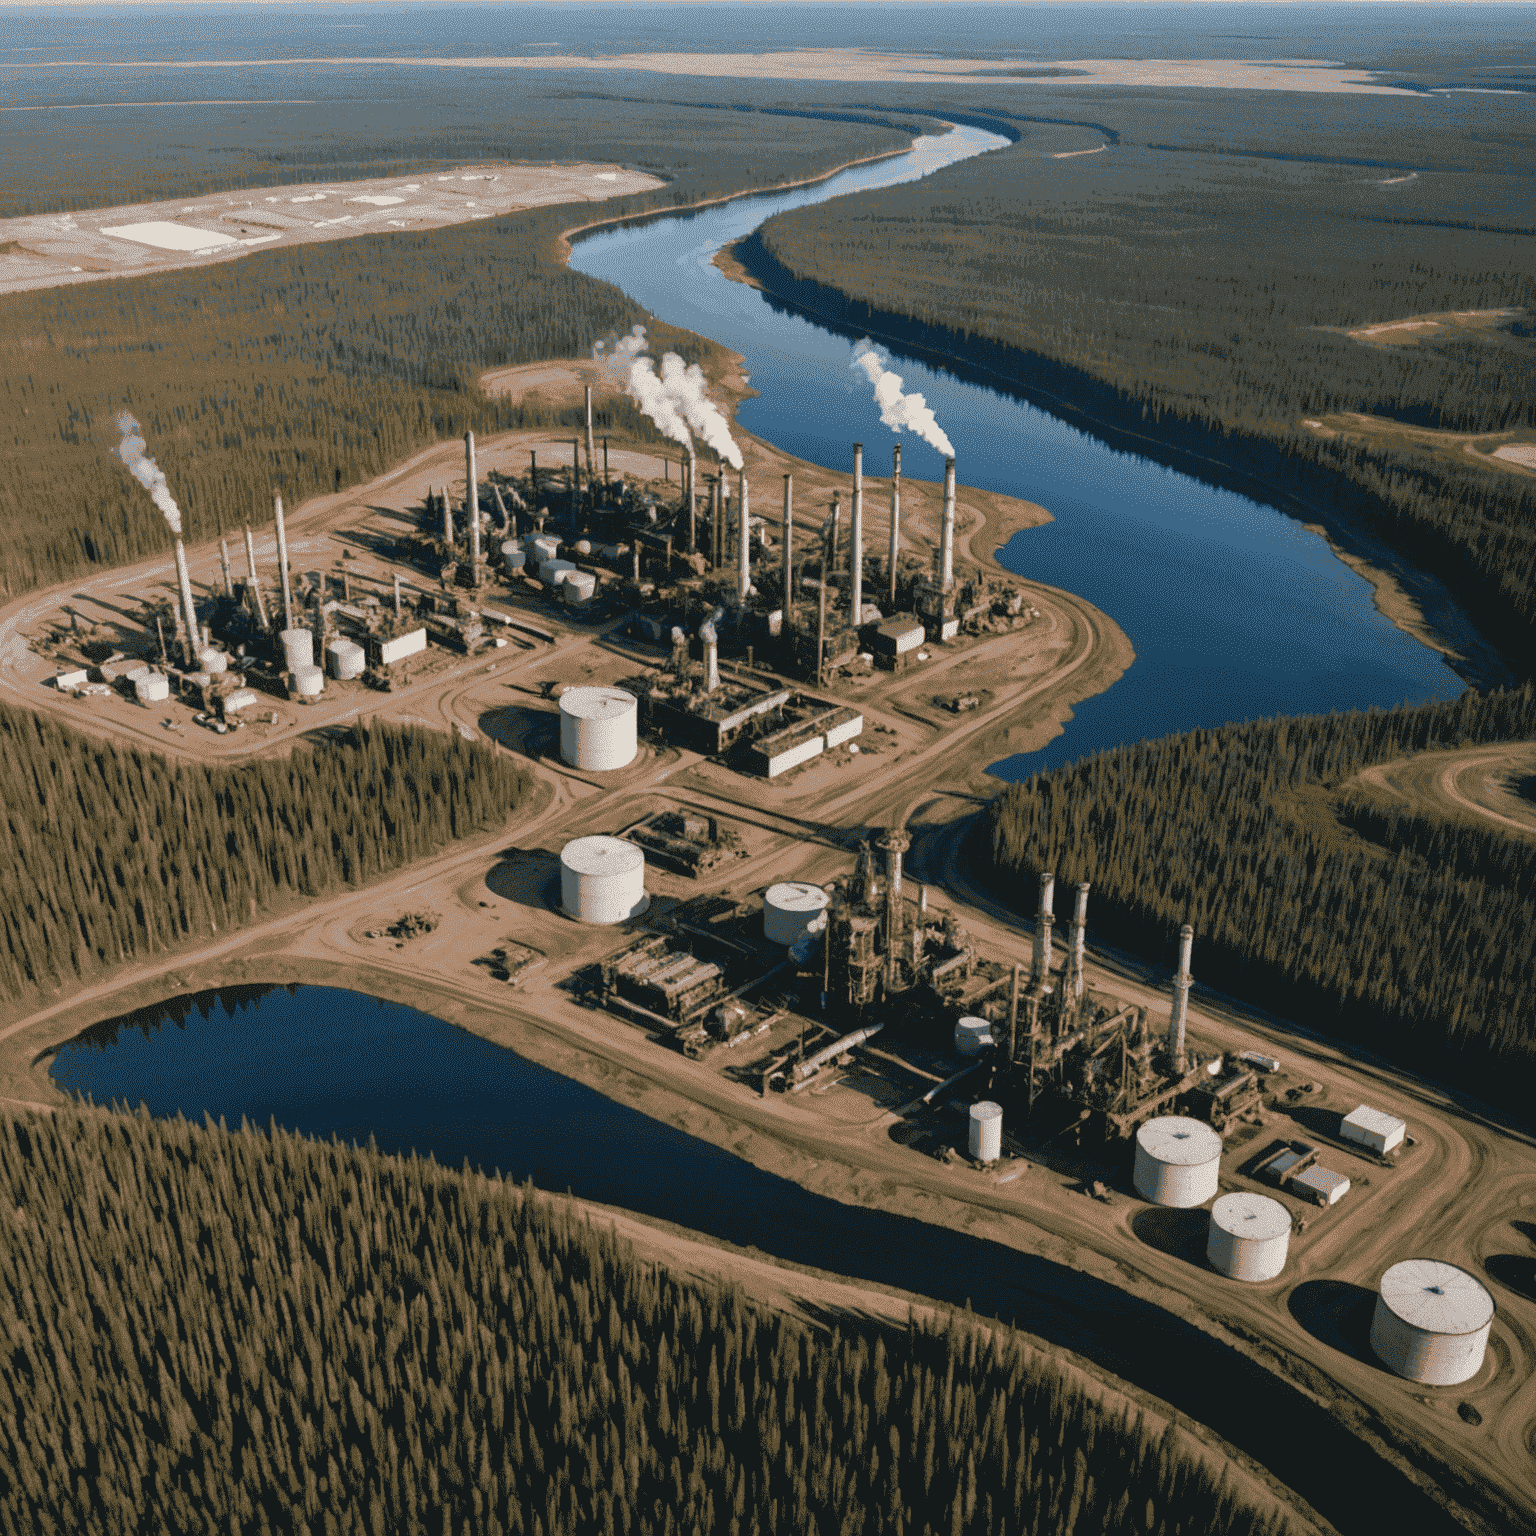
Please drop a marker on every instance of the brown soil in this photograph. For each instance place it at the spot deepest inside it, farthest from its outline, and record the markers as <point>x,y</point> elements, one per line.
<point>1496,785</point>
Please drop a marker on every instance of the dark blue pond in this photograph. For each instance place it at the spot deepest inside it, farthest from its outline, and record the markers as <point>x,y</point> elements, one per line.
<point>1235,610</point>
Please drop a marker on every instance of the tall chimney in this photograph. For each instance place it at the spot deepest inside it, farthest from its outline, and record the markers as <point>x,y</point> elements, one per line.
<point>590,458</point>
<point>282,562</point>
<point>711,657</point>
<point>947,538</point>
<point>1040,964</point>
<point>1076,956</point>
<point>397,594</point>
<point>828,538</point>
<point>787,540</point>
<point>447,519</point>
<point>502,514</point>
<point>717,504</point>
<point>472,502</point>
<point>229,584</point>
<point>1181,985</point>
<point>837,528</point>
<point>744,540</point>
<point>635,559</point>
<point>895,520</point>
<point>575,482</point>
<point>856,540</point>
<point>188,609</point>
<point>251,581</point>
<point>690,486</point>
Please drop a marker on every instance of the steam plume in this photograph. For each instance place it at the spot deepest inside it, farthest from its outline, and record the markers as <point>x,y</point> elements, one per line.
<point>145,470</point>
<point>685,384</point>
<point>618,358</point>
<point>652,396</point>
<point>898,411</point>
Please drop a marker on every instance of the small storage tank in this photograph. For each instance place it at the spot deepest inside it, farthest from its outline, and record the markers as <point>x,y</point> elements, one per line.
<point>541,547</point>
<point>551,571</point>
<point>151,687</point>
<point>1432,1322</point>
<point>1249,1237</point>
<point>986,1131</point>
<point>973,1036</point>
<point>308,682</point>
<point>583,547</point>
<point>344,659</point>
<point>602,880</point>
<point>213,662</point>
<point>1177,1161</point>
<point>579,587</point>
<point>298,649</point>
<point>598,728</point>
<point>513,556</point>
<point>793,909</point>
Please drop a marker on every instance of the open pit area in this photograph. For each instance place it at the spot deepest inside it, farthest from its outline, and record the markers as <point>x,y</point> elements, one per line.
<point>50,250</point>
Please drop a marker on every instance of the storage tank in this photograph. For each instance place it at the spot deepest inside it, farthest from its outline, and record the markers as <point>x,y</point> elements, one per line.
<point>541,547</point>
<point>1177,1161</point>
<point>986,1131</point>
<point>344,659</point>
<point>579,586</point>
<point>583,547</point>
<point>551,571</point>
<point>213,662</point>
<point>308,682</point>
<point>598,727</point>
<point>298,649</point>
<point>513,556</point>
<point>602,880</point>
<point>793,909</point>
<point>973,1036</point>
<point>1249,1237</point>
<point>1432,1322</point>
<point>151,687</point>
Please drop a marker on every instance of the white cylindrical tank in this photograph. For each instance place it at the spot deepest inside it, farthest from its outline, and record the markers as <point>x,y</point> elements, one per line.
<point>344,659</point>
<point>973,1036</point>
<point>308,682</point>
<point>602,880</point>
<point>986,1131</point>
<point>579,587</point>
<point>598,728</point>
<point>793,909</point>
<point>541,547</point>
<point>1249,1237</point>
<point>1432,1322</point>
<point>551,571</point>
<point>1177,1161</point>
<point>298,649</point>
<point>151,687</point>
<point>583,547</point>
<point>513,556</point>
<point>213,662</point>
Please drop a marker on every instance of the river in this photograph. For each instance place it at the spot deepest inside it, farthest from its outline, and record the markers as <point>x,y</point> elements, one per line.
<point>1235,610</point>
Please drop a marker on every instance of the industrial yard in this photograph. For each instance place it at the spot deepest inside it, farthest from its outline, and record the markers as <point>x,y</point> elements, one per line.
<point>758,704</point>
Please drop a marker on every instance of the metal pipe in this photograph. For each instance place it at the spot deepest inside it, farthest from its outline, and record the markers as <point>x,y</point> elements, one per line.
<point>895,521</point>
<point>949,1082</point>
<point>282,561</point>
<point>806,1068</point>
<point>947,536</point>
<point>188,608</point>
<point>1040,965</point>
<point>501,510</point>
<point>743,540</point>
<point>472,502</point>
<point>1181,985</point>
<point>856,540</point>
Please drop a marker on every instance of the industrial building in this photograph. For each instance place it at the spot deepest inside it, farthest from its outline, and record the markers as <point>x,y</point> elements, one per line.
<point>1367,1127</point>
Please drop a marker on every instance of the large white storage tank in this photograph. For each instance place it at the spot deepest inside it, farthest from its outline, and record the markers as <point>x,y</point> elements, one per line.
<point>1249,1237</point>
<point>552,572</point>
<point>308,682</point>
<point>973,1036</point>
<point>793,909</point>
<point>986,1131</point>
<point>579,587</point>
<point>1178,1161</point>
<point>298,649</point>
<point>344,659</point>
<point>1432,1322</point>
<point>598,727</point>
<point>602,880</point>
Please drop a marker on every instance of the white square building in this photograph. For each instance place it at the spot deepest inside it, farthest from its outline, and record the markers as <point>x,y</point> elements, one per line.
<point>1373,1128</point>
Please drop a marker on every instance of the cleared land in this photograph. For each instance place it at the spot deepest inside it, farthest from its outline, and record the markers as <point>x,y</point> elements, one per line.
<point>49,250</point>
<point>1494,784</point>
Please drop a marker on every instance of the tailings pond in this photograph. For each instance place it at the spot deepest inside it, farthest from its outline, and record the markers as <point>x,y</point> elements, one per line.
<point>1235,610</point>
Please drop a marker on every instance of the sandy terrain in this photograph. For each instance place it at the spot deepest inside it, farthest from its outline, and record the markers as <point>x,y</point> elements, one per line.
<point>1408,332</point>
<point>1496,784</point>
<point>47,250</point>
<point>1523,454</point>
<point>845,66</point>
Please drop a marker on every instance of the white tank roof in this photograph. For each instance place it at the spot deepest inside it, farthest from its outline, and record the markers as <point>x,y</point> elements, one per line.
<point>797,896</point>
<point>597,703</point>
<point>601,856</point>
<point>1436,1297</point>
<point>985,1109</point>
<point>1177,1139</point>
<point>1251,1216</point>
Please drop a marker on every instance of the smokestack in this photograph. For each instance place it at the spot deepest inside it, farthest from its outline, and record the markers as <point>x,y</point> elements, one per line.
<point>251,581</point>
<point>397,594</point>
<point>1181,985</point>
<point>711,657</point>
<point>575,482</point>
<point>189,611</point>
<point>717,507</point>
<point>282,562</point>
<point>895,519</point>
<point>744,540</point>
<point>590,463</point>
<point>787,538</point>
<point>837,528</point>
<point>828,538</point>
<point>856,540</point>
<point>1040,964</point>
<point>635,555</point>
<point>472,500</point>
<point>501,510</point>
<point>947,539</point>
<point>1076,956</point>
<point>447,519</point>
<point>690,487</point>
<point>607,478</point>
<point>229,585</point>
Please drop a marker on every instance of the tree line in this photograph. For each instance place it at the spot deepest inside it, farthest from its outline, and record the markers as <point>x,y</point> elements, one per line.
<point>116,854</point>
<point>1409,933</point>
<point>247,1331</point>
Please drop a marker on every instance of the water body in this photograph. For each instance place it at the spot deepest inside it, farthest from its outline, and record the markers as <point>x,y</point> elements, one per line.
<point>1235,610</point>
<point>330,1062</point>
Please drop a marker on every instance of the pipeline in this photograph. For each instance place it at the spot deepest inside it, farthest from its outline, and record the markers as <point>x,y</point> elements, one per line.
<point>806,1070</point>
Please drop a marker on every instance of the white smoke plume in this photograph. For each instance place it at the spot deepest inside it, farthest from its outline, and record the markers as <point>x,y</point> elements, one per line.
<point>145,470</point>
<point>685,384</point>
<point>618,357</point>
<point>652,396</point>
<point>898,411</point>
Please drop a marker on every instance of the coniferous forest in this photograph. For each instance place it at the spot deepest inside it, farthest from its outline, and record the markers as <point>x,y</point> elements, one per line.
<point>116,854</point>
<point>243,1332</point>
<point>1413,935</point>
